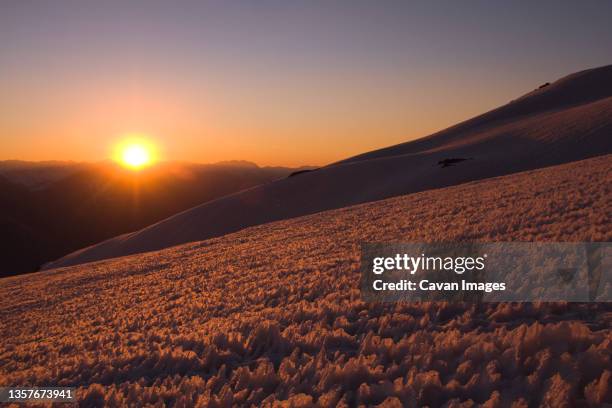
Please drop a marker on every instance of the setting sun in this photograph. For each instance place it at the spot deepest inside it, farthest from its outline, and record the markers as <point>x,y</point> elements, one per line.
<point>136,156</point>
<point>135,153</point>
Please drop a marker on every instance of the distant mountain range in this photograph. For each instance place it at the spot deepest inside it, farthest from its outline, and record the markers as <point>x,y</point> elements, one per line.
<point>48,209</point>
<point>37,175</point>
<point>564,121</point>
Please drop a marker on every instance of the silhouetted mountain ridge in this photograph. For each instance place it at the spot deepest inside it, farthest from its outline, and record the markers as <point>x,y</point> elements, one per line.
<point>48,209</point>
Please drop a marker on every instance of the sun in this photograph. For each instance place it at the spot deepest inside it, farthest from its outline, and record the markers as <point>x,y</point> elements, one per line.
<point>135,154</point>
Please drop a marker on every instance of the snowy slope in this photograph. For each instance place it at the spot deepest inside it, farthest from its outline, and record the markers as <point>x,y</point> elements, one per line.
<point>568,120</point>
<point>272,313</point>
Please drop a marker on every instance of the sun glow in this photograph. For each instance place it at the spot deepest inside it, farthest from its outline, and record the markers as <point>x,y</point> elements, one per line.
<point>135,153</point>
<point>135,156</point>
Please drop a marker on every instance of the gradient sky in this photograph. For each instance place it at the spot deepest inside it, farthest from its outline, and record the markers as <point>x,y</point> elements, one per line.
<point>275,82</point>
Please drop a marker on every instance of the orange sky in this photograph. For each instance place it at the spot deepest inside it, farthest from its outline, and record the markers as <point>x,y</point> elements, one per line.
<point>299,84</point>
<point>293,126</point>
